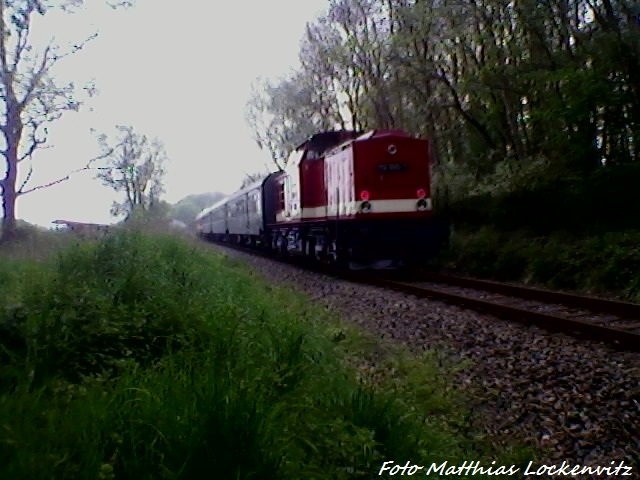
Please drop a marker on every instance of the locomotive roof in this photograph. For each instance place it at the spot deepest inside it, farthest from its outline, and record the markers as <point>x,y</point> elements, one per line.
<point>382,133</point>
<point>324,140</point>
<point>368,135</point>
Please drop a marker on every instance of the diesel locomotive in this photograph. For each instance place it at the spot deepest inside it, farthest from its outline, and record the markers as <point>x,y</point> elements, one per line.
<point>355,199</point>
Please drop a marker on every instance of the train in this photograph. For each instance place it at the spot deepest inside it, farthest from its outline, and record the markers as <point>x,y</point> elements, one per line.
<point>353,199</point>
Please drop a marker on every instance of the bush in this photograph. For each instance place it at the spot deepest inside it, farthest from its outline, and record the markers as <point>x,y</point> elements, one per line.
<point>548,202</point>
<point>606,263</point>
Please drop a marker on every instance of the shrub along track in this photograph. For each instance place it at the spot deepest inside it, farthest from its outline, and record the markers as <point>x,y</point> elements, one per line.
<point>578,400</point>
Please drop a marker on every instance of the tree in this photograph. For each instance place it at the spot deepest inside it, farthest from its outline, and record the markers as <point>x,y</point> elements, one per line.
<point>189,207</point>
<point>135,169</point>
<point>502,89</point>
<point>281,115</point>
<point>30,97</point>
<point>253,178</point>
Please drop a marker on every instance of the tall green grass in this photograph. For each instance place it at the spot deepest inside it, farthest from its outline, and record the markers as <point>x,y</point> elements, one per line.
<point>149,357</point>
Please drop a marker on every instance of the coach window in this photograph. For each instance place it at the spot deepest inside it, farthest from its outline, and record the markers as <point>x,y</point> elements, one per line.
<point>257,200</point>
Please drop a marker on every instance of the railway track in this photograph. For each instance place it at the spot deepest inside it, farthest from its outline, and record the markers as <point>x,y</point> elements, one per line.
<point>596,318</point>
<point>599,319</point>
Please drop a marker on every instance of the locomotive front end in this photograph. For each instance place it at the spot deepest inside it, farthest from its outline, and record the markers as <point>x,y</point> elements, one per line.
<point>379,190</point>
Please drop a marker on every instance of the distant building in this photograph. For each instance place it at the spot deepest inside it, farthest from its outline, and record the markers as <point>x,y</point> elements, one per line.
<point>81,228</point>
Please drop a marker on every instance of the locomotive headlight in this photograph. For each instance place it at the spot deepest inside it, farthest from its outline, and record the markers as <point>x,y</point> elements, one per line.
<point>422,204</point>
<point>392,149</point>
<point>365,207</point>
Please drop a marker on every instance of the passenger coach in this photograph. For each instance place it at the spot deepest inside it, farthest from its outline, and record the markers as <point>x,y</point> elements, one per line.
<point>241,217</point>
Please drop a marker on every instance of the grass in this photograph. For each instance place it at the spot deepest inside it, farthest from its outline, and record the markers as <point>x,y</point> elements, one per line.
<point>607,263</point>
<point>149,357</point>
<point>36,244</point>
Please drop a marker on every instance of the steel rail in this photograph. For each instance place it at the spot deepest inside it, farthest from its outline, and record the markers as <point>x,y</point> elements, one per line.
<point>616,307</point>
<point>617,336</point>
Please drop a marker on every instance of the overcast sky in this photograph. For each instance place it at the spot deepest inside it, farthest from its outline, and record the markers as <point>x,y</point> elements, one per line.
<point>177,70</point>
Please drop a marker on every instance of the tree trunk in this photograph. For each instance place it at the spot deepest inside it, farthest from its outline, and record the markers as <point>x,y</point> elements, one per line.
<point>9,191</point>
<point>9,206</point>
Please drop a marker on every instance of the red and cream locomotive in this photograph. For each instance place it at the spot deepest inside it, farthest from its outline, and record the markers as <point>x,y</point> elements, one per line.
<point>350,198</point>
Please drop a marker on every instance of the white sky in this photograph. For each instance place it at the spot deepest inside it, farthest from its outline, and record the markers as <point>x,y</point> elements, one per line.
<point>177,70</point>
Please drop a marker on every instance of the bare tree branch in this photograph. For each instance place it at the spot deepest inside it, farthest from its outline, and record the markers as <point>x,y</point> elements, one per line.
<point>87,167</point>
<point>23,24</point>
<point>76,48</point>
<point>26,180</point>
<point>38,74</point>
<point>35,142</point>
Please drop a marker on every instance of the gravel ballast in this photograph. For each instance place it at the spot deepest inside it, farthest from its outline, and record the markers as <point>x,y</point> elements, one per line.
<point>579,401</point>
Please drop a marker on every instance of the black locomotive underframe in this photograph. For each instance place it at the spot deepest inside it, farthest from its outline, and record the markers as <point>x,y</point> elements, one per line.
<point>406,240</point>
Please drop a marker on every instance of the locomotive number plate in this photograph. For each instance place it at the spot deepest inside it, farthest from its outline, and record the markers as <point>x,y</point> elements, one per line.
<point>392,167</point>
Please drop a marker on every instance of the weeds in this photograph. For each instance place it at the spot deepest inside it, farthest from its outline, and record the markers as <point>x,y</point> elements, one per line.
<point>148,357</point>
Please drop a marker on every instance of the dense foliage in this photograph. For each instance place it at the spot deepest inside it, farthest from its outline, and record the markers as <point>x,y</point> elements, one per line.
<point>533,107</point>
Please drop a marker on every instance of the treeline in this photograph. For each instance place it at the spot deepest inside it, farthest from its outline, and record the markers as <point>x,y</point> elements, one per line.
<point>533,106</point>
<point>189,207</point>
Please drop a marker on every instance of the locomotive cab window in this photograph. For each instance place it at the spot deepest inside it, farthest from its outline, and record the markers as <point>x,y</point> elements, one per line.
<point>281,196</point>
